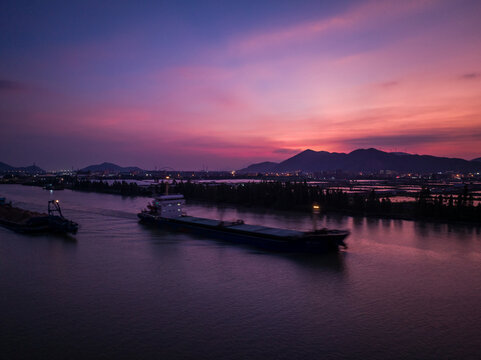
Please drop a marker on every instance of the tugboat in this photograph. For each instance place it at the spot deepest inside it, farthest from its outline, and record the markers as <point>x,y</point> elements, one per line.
<point>26,221</point>
<point>167,211</point>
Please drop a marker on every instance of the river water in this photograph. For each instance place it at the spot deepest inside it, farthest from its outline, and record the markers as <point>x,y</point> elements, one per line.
<point>118,289</point>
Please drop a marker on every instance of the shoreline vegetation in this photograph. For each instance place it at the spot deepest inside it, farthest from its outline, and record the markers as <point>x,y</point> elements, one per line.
<point>301,196</point>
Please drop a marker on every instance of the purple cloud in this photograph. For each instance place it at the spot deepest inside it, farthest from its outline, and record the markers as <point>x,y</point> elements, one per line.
<point>9,85</point>
<point>286,151</point>
<point>471,76</point>
<point>415,138</point>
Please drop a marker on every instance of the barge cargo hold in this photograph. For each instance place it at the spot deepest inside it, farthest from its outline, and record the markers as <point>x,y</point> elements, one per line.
<point>25,221</point>
<point>166,211</point>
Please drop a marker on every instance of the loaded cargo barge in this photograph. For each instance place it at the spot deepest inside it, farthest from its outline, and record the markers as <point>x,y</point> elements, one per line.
<point>167,211</point>
<point>25,221</point>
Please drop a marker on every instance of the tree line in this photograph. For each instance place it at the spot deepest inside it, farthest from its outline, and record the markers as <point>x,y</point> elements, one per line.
<point>301,196</point>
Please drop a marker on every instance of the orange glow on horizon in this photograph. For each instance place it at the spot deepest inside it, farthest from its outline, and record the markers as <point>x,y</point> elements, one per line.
<point>397,76</point>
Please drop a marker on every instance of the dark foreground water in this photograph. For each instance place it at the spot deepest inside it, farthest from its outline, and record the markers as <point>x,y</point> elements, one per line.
<point>403,290</point>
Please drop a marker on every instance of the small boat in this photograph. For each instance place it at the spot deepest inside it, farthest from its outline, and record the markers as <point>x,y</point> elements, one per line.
<point>25,221</point>
<point>167,211</point>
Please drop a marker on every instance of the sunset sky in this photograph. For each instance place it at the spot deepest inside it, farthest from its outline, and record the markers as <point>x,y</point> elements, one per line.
<point>223,84</point>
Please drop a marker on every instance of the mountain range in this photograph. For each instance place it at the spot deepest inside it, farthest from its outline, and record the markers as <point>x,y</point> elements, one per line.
<point>366,160</point>
<point>109,167</point>
<point>33,169</point>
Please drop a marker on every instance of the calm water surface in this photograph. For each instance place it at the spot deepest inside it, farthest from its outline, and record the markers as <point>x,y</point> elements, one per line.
<point>402,290</point>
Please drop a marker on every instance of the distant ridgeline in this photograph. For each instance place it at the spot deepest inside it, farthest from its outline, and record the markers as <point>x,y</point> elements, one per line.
<point>365,160</point>
<point>110,168</point>
<point>100,168</point>
<point>300,196</point>
<point>31,170</point>
<point>361,160</point>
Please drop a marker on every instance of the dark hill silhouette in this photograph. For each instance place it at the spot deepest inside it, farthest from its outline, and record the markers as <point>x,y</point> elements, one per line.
<point>5,167</point>
<point>310,160</point>
<point>109,167</point>
<point>265,166</point>
<point>477,159</point>
<point>33,169</point>
<point>368,160</point>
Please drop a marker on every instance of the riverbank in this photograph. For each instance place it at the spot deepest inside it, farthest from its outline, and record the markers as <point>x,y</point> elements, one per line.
<point>301,196</point>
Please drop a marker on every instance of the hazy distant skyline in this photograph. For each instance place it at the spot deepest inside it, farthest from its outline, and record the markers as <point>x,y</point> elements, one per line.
<point>189,84</point>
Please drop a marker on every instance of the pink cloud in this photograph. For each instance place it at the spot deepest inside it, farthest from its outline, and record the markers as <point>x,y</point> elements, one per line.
<point>268,107</point>
<point>363,14</point>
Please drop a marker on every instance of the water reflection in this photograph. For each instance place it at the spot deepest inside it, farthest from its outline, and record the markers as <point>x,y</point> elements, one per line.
<point>401,289</point>
<point>398,224</point>
<point>458,231</point>
<point>386,224</point>
<point>67,239</point>
<point>336,219</point>
<point>373,223</point>
<point>358,222</point>
<point>332,263</point>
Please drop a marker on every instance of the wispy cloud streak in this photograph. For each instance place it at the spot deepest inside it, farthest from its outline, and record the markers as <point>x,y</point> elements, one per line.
<point>362,14</point>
